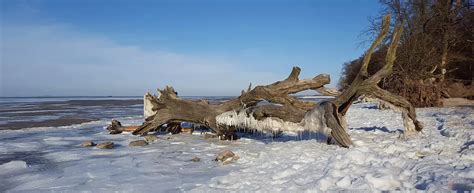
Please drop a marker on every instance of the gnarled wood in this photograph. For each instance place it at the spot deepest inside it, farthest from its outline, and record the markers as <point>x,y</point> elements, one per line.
<point>287,111</point>
<point>169,107</point>
<point>364,84</point>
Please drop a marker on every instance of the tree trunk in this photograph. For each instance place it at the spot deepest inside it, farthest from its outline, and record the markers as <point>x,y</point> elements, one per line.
<point>169,107</point>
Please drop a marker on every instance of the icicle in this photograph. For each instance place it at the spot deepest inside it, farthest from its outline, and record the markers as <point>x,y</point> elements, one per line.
<point>312,122</point>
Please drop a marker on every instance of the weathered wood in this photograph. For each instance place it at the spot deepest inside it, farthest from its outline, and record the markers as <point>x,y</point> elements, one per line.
<point>115,127</point>
<point>287,111</point>
<point>364,84</point>
<point>149,103</point>
<point>338,132</point>
<point>169,107</point>
<point>328,91</point>
<point>279,92</point>
<point>347,96</point>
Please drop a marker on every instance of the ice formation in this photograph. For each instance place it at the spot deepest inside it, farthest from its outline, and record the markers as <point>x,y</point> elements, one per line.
<point>313,121</point>
<point>384,105</point>
<point>147,106</point>
<point>241,119</point>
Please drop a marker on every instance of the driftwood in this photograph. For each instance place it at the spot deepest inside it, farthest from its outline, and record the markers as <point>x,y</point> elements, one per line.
<point>364,84</point>
<point>168,107</point>
<point>287,112</point>
<point>116,127</point>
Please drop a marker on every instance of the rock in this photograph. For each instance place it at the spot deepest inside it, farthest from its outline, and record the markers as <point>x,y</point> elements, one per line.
<point>421,154</point>
<point>226,157</point>
<point>150,138</point>
<point>113,132</point>
<point>88,144</point>
<point>196,159</point>
<point>138,143</point>
<point>209,135</point>
<point>106,145</point>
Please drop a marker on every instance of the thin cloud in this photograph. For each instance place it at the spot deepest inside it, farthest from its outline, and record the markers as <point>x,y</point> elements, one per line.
<point>55,59</point>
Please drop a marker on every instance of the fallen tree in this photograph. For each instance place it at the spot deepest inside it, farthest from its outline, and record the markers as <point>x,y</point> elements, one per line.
<point>168,107</point>
<point>285,112</point>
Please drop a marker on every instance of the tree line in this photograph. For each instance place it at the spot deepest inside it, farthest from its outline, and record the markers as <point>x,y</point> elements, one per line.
<point>435,55</point>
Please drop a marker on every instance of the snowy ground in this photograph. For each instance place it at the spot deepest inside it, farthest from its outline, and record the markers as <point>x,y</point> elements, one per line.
<point>442,158</point>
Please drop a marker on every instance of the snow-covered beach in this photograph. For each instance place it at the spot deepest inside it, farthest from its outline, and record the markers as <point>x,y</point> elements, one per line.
<point>50,159</point>
<point>236,96</point>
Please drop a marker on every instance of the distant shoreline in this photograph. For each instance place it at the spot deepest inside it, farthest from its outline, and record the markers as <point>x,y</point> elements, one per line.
<point>70,97</point>
<point>184,96</point>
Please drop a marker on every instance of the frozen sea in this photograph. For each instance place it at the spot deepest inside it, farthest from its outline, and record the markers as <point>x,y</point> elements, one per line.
<point>40,151</point>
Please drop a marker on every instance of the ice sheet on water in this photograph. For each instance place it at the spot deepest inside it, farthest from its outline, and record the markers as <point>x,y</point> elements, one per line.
<point>62,164</point>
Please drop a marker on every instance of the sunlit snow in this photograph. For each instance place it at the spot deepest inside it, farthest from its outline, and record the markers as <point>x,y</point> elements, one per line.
<point>441,158</point>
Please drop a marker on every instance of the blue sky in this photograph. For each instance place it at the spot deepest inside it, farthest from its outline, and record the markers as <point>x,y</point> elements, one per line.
<point>209,47</point>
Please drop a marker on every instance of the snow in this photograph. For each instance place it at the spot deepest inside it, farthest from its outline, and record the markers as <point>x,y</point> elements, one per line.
<point>12,166</point>
<point>439,159</point>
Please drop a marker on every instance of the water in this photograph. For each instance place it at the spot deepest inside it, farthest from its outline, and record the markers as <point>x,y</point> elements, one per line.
<point>28,112</point>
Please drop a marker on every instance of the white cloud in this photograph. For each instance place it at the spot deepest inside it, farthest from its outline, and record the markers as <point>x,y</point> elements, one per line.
<point>56,60</point>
